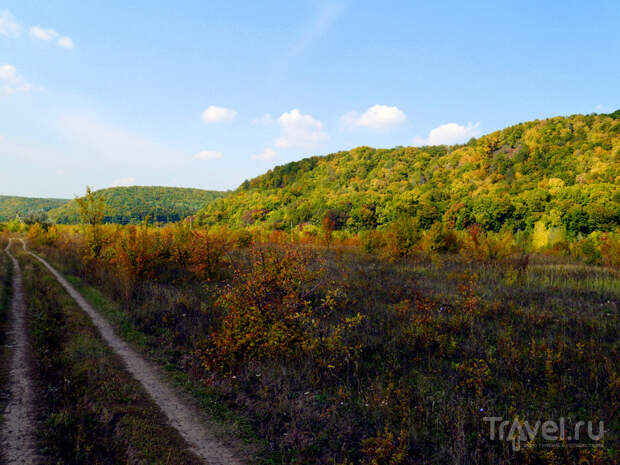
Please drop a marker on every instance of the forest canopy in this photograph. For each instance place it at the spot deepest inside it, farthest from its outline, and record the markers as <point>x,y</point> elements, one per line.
<point>562,171</point>
<point>133,204</point>
<point>11,206</point>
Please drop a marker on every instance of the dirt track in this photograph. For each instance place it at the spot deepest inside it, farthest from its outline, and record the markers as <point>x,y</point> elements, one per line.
<point>181,416</point>
<point>17,432</point>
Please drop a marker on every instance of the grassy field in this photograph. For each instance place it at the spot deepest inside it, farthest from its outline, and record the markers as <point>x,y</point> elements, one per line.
<point>93,411</point>
<point>224,422</point>
<point>335,356</point>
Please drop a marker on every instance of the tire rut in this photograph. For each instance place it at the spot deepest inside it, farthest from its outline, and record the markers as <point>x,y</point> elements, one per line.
<point>180,415</point>
<point>18,429</point>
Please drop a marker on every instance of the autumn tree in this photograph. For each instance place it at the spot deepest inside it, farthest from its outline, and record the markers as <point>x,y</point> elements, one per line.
<point>92,209</point>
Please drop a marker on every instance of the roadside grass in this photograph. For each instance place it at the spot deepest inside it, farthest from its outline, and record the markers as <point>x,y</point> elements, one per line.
<point>94,411</point>
<point>225,422</point>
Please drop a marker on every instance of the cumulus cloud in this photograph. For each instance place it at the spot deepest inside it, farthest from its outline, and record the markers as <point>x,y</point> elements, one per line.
<point>449,134</point>
<point>265,120</point>
<point>208,155</point>
<point>40,33</point>
<point>299,130</point>
<point>267,154</point>
<point>215,114</point>
<point>376,117</point>
<point>65,42</point>
<point>9,27</point>
<point>11,82</point>
<point>124,182</point>
<point>8,73</point>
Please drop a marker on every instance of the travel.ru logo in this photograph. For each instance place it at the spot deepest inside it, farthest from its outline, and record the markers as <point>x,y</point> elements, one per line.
<point>518,432</point>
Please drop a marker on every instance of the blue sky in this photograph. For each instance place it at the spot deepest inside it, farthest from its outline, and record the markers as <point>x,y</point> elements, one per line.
<point>209,93</point>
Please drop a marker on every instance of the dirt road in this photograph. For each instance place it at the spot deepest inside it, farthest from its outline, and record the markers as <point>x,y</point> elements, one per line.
<point>180,415</point>
<point>17,432</point>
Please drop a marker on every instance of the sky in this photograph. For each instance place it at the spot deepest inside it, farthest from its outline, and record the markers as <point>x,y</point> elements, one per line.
<point>207,94</point>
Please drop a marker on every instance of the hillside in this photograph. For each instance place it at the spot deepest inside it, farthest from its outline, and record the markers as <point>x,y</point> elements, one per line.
<point>133,204</point>
<point>11,206</point>
<point>562,170</point>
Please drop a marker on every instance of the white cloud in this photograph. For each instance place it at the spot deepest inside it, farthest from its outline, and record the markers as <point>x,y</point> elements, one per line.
<point>11,82</point>
<point>449,134</point>
<point>124,182</point>
<point>215,114</point>
<point>9,27</point>
<point>8,73</point>
<point>65,42</point>
<point>376,117</point>
<point>299,130</point>
<point>267,154</point>
<point>37,32</point>
<point>265,120</point>
<point>208,155</point>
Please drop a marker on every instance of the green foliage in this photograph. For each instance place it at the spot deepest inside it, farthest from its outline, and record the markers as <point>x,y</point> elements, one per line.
<point>91,207</point>
<point>14,225</point>
<point>10,207</point>
<point>40,217</point>
<point>564,171</point>
<point>131,205</point>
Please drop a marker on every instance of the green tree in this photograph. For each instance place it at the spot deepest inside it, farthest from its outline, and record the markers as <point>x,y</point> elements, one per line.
<point>92,208</point>
<point>39,217</point>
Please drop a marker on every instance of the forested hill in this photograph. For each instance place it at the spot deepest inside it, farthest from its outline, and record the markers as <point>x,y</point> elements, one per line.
<point>133,204</point>
<point>11,206</point>
<point>562,170</point>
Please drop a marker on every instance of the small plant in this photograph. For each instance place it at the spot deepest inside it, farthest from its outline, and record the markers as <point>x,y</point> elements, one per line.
<point>386,448</point>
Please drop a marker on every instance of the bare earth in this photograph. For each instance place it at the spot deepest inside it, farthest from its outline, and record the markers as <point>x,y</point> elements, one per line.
<point>181,416</point>
<point>17,432</point>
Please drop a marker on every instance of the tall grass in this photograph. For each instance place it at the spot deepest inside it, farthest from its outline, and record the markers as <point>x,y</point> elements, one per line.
<point>338,356</point>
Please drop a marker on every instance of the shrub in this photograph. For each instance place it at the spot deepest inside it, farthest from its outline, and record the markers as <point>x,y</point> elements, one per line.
<point>610,250</point>
<point>266,309</point>
<point>403,236</point>
<point>372,241</point>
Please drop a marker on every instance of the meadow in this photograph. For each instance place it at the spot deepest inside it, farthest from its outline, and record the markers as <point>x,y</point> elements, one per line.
<point>366,349</point>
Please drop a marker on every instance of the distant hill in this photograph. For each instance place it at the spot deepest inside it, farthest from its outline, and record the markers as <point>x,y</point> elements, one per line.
<point>562,170</point>
<point>11,206</point>
<point>133,204</point>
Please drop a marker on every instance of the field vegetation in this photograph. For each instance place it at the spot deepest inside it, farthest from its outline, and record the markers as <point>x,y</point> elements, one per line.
<point>377,348</point>
<point>91,410</point>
